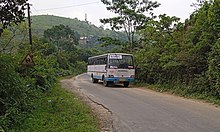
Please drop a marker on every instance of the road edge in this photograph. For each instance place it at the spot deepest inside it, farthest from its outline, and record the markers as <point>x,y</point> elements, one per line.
<point>103,114</point>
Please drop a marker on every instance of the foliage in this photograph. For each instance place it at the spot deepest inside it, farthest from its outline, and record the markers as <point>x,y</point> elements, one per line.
<point>12,38</point>
<point>214,69</point>
<point>108,41</point>
<point>11,12</point>
<point>59,110</point>
<point>21,85</point>
<point>63,36</point>
<point>179,57</point>
<point>130,16</point>
<point>16,93</point>
<point>182,53</point>
<point>41,23</point>
<point>89,33</point>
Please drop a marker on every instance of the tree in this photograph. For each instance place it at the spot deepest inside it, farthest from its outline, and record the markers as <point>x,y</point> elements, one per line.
<point>65,41</point>
<point>13,38</point>
<point>63,36</point>
<point>11,11</point>
<point>156,58</point>
<point>187,53</point>
<point>131,16</point>
<point>199,3</point>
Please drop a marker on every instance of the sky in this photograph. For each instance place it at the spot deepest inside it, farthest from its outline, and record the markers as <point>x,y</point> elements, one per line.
<point>96,10</point>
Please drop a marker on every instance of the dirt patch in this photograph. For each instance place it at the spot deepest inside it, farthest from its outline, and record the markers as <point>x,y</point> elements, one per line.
<point>103,114</point>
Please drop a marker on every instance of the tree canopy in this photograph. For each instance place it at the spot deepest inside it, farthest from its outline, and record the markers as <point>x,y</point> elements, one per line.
<point>183,53</point>
<point>63,36</point>
<point>11,11</point>
<point>131,16</point>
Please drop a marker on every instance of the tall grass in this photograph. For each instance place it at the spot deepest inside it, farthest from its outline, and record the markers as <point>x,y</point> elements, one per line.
<point>59,110</point>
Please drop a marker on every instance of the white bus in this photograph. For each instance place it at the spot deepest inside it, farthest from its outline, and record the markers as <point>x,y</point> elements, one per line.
<point>112,68</point>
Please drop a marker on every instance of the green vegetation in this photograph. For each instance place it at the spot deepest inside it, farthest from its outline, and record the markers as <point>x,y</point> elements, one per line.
<point>44,22</point>
<point>16,93</point>
<point>183,54</point>
<point>130,16</point>
<point>89,32</point>
<point>59,110</point>
<point>12,12</point>
<point>181,58</point>
<point>21,86</point>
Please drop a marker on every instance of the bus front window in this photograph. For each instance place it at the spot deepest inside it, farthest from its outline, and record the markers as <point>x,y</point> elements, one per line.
<point>123,62</point>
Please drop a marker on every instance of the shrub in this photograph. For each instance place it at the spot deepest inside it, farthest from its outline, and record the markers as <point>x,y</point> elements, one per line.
<point>214,69</point>
<point>14,99</point>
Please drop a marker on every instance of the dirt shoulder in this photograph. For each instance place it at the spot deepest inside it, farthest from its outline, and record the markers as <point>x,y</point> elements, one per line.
<point>101,112</point>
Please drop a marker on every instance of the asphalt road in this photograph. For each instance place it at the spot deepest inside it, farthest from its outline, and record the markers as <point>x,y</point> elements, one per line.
<point>141,110</point>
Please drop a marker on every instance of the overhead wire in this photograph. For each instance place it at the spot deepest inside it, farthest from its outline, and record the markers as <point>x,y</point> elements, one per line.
<point>57,8</point>
<point>34,9</point>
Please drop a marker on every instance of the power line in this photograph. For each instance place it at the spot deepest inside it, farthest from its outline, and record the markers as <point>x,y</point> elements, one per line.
<point>34,9</point>
<point>57,8</point>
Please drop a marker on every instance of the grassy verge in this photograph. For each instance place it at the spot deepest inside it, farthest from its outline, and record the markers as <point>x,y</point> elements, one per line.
<point>58,110</point>
<point>183,91</point>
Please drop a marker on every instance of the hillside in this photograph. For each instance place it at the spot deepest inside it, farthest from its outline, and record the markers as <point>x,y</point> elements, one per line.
<point>43,22</point>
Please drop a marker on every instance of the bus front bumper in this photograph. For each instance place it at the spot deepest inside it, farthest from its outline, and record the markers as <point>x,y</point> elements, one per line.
<point>120,79</point>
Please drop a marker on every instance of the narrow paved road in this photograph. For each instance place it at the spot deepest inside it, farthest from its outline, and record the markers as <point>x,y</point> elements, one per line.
<point>139,110</point>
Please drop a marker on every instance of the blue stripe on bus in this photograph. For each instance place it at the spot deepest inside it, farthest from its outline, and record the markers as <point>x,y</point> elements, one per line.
<point>117,79</point>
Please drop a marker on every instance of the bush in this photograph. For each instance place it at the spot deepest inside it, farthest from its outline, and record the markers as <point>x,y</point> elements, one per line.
<point>14,98</point>
<point>19,86</point>
<point>200,85</point>
<point>80,67</point>
<point>214,69</point>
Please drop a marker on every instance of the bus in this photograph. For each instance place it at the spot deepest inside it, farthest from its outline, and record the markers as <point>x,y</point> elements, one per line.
<point>112,68</point>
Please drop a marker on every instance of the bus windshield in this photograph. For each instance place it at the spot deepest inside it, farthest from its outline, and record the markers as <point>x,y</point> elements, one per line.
<point>121,62</point>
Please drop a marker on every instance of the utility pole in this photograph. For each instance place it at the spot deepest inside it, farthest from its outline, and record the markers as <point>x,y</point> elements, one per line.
<point>28,61</point>
<point>29,27</point>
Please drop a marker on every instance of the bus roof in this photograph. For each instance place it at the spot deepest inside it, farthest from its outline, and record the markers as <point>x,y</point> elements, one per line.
<point>109,54</point>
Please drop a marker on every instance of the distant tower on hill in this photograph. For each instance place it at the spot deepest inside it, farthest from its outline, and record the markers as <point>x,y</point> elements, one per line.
<point>86,20</point>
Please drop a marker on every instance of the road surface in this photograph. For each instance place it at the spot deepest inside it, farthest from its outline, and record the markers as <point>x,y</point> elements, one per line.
<point>141,110</point>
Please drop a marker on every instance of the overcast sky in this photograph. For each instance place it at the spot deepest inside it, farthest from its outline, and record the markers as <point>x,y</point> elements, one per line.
<point>96,10</point>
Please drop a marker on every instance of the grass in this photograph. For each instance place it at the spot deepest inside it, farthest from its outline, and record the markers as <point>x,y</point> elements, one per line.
<point>58,110</point>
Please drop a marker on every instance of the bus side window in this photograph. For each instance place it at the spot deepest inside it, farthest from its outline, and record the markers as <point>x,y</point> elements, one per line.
<point>105,60</point>
<point>93,62</point>
<point>99,61</point>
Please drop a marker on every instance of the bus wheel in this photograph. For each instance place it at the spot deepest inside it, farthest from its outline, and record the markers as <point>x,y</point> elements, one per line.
<point>105,83</point>
<point>126,84</point>
<point>95,80</point>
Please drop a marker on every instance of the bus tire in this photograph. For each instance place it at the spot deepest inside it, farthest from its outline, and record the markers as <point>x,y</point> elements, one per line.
<point>126,84</point>
<point>94,80</point>
<point>105,83</point>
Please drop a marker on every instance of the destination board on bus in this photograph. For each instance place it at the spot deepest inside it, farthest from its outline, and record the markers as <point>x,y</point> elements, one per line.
<point>115,56</point>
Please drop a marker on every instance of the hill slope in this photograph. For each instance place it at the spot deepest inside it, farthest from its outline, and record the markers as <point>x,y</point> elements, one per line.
<point>40,23</point>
